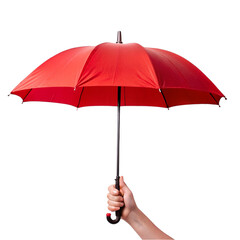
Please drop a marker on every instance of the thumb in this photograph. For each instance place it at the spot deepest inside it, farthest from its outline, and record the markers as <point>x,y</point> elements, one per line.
<point>123,185</point>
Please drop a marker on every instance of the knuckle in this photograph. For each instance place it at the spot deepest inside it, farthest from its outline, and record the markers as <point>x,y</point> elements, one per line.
<point>115,192</point>
<point>118,204</point>
<point>120,199</point>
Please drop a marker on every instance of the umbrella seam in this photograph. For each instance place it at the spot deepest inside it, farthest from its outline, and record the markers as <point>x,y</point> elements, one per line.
<point>154,72</point>
<point>87,62</point>
<point>179,72</point>
<point>115,71</point>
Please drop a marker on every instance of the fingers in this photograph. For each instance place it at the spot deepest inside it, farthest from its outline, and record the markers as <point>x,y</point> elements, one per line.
<point>115,204</point>
<point>113,209</point>
<point>115,200</point>
<point>113,191</point>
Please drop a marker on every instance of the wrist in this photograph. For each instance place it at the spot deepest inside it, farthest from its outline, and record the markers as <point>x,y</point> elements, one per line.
<point>134,216</point>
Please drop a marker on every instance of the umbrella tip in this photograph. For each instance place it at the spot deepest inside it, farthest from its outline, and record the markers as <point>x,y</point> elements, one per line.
<point>119,37</point>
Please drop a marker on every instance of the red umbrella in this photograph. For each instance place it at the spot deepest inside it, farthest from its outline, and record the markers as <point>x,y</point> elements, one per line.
<point>116,74</point>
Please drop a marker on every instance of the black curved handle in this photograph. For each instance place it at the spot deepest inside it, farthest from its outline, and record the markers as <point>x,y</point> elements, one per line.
<point>116,220</point>
<point>119,212</point>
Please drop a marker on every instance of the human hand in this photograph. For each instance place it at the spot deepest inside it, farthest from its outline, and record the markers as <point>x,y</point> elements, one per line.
<point>132,214</point>
<point>123,198</point>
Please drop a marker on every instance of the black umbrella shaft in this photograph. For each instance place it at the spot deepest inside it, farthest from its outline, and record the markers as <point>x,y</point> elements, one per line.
<point>117,185</point>
<point>118,131</point>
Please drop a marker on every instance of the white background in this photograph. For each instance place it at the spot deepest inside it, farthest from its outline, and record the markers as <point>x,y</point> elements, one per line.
<point>56,163</point>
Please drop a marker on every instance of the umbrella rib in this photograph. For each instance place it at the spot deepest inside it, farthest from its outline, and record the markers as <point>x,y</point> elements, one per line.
<point>27,95</point>
<point>164,98</point>
<point>124,96</point>
<point>80,98</point>
<point>214,99</point>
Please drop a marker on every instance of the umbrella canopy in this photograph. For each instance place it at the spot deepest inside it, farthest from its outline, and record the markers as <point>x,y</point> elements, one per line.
<point>90,76</point>
<point>113,74</point>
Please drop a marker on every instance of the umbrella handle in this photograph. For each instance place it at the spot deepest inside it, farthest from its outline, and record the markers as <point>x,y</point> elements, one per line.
<point>119,212</point>
<point>116,220</point>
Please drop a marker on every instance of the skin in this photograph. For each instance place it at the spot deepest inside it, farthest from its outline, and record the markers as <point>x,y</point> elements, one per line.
<point>132,214</point>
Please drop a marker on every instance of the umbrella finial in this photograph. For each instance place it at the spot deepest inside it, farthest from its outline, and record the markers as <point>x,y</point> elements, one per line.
<point>119,37</point>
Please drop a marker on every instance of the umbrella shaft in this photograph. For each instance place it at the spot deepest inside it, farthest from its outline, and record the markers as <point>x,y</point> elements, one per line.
<point>118,129</point>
